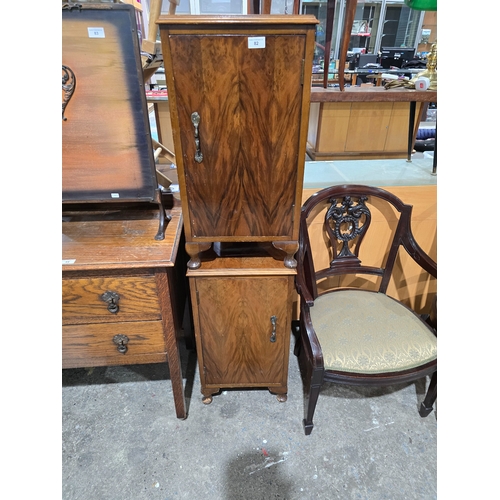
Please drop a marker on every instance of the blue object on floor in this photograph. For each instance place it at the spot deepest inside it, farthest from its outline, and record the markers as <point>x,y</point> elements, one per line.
<point>426,133</point>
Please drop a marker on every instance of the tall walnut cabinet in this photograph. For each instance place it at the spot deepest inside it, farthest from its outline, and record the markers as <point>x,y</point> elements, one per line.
<point>239,93</point>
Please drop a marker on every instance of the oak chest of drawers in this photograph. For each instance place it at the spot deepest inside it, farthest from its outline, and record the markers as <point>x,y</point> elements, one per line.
<point>123,292</point>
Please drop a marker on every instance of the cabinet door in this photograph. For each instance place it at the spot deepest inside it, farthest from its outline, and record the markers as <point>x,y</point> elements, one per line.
<point>249,101</point>
<point>368,126</point>
<point>397,134</point>
<point>236,330</point>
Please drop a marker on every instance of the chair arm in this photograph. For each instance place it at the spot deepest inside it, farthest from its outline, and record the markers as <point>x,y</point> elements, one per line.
<point>303,291</point>
<point>418,255</point>
<point>314,346</point>
<point>432,321</point>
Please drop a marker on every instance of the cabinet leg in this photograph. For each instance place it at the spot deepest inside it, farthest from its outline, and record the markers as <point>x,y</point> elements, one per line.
<point>171,343</point>
<point>194,250</point>
<point>281,396</point>
<point>207,395</point>
<point>290,248</point>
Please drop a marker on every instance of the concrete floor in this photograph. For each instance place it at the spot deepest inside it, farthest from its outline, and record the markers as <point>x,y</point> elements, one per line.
<point>121,440</point>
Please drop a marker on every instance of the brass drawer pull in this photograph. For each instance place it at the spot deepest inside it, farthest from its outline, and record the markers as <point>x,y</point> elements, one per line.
<point>112,299</point>
<point>198,156</point>
<point>273,334</point>
<point>121,342</point>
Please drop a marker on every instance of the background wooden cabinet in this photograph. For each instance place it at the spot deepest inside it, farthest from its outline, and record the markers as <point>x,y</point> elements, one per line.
<point>360,130</point>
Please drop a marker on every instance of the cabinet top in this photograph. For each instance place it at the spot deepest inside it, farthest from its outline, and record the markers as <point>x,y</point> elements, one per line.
<point>241,266</point>
<point>121,239</point>
<point>239,20</point>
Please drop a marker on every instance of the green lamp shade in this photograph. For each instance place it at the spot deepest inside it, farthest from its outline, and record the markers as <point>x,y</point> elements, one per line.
<point>422,4</point>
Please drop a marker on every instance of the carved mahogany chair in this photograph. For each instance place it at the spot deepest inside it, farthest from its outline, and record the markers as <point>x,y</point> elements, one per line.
<point>350,331</point>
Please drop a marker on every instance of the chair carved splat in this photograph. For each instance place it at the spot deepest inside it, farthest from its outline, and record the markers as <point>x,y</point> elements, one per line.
<point>346,221</point>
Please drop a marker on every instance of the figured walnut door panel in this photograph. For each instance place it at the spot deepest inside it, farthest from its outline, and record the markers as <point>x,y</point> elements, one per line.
<point>236,328</point>
<point>250,103</point>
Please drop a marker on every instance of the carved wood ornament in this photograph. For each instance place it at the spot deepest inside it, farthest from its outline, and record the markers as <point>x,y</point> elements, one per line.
<point>346,223</point>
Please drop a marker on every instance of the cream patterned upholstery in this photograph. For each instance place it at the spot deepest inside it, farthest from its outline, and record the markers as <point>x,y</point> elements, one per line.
<point>344,321</point>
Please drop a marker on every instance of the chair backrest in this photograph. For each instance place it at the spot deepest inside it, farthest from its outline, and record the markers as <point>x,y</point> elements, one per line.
<point>348,212</point>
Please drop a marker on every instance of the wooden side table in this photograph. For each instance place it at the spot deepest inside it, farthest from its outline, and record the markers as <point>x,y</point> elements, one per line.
<point>123,292</point>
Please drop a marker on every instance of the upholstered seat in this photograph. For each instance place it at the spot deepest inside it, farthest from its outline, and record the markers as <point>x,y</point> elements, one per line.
<point>386,337</point>
<point>350,331</point>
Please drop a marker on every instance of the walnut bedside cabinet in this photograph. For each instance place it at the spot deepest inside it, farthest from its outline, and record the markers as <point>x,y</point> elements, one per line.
<point>239,91</point>
<point>242,318</point>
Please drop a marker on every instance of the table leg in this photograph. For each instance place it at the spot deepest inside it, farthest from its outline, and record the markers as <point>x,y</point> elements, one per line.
<point>330,13</point>
<point>434,159</point>
<point>411,125</point>
<point>350,11</point>
<point>174,366</point>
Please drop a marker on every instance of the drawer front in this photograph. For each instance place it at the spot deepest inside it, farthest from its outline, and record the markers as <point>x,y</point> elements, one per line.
<point>93,345</point>
<point>130,298</point>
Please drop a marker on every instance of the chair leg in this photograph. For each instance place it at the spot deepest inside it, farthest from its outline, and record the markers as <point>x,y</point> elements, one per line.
<point>296,334</point>
<point>311,399</point>
<point>312,378</point>
<point>427,405</point>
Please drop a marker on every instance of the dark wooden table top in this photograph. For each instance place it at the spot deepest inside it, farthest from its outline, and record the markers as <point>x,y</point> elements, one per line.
<point>372,94</point>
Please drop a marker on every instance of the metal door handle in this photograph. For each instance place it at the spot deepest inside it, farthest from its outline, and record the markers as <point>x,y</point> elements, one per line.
<point>273,334</point>
<point>198,156</point>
